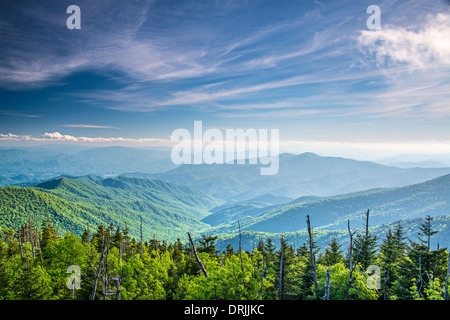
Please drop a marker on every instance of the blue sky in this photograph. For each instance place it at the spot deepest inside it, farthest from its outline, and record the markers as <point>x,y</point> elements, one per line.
<point>137,70</point>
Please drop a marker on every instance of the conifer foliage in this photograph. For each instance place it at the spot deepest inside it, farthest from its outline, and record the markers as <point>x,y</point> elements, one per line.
<point>37,263</point>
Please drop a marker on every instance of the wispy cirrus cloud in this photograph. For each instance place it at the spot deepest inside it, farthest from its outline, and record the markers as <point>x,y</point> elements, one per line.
<point>89,126</point>
<point>227,61</point>
<point>18,114</point>
<point>102,45</point>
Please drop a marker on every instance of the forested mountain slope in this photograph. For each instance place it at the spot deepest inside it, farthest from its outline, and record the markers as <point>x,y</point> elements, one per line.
<point>386,205</point>
<point>167,211</point>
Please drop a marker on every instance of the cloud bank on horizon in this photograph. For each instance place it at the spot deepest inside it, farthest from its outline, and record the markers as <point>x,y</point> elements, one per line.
<point>137,70</point>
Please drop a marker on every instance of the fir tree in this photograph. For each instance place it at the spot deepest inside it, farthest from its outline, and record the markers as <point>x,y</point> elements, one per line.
<point>392,253</point>
<point>207,244</point>
<point>333,253</point>
<point>422,264</point>
<point>426,231</point>
<point>365,247</point>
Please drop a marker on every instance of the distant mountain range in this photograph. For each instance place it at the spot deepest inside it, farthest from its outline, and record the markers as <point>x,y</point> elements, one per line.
<point>306,174</point>
<point>299,175</point>
<point>332,213</point>
<point>24,165</point>
<point>211,199</point>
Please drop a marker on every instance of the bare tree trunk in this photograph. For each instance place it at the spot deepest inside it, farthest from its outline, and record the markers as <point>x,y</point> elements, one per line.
<point>327,285</point>
<point>20,246</point>
<point>26,249</point>
<point>196,256</point>
<point>420,276</point>
<point>142,240</point>
<point>280,284</point>
<point>118,291</point>
<point>367,223</point>
<point>106,268</point>
<point>446,281</point>
<point>39,248</point>
<point>30,230</point>
<point>240,248</point>
<point>386,277</point>
<point>99,267</point>
<point>262,275</point>
<point>312,257</point>
<point>350,254</point>
<point>89,239</point>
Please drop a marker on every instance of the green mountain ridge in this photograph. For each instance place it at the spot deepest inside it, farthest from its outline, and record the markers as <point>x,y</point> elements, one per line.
<point>168,211</point>
<point>332,213</point>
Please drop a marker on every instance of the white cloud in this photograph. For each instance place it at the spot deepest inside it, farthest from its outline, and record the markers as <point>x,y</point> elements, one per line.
<point>64,138</point>
<point>424,47</point>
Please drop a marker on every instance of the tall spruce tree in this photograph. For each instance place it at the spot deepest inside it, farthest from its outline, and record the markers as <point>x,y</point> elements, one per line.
<point>392,253</point>
<point>365,248</point>
<point>422,265</point>
<point>333,253</point>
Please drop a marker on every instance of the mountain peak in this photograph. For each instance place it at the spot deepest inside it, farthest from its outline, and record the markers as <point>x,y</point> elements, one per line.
<point>308,155</point>
<point>53,184</point>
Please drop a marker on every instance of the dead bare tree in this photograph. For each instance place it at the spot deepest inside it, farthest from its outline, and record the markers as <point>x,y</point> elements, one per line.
<point>446,281</point>
<point>104,245</point>
<point>312,257</point>
<point>240,247</point>
<point>262,275</point>
<point>420,277</point>
<point>40,250</point>
<point>280,284</point>
<point>30,230</point>
<point>327,286</point>
<point>26,248</point>
<point>350,254</point>
<point>367,223</point>
<point>20,246</point>
<point>89,239</point>
<point>116,292</point>
<point>196,256</point>
<point>142,240</point>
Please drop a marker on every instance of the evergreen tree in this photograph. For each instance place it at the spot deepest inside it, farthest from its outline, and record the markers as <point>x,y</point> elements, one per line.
<point>426,232</point>
<point>392,253</point>
<point>269,252</point>
<point>365,247</point>
<point>206,244</point>
<point>421,265</point>
<point>49,234</point>
<point>229,250</point>
<point>333,254</point>
<point>85,237</point>
<point>117,239</point>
